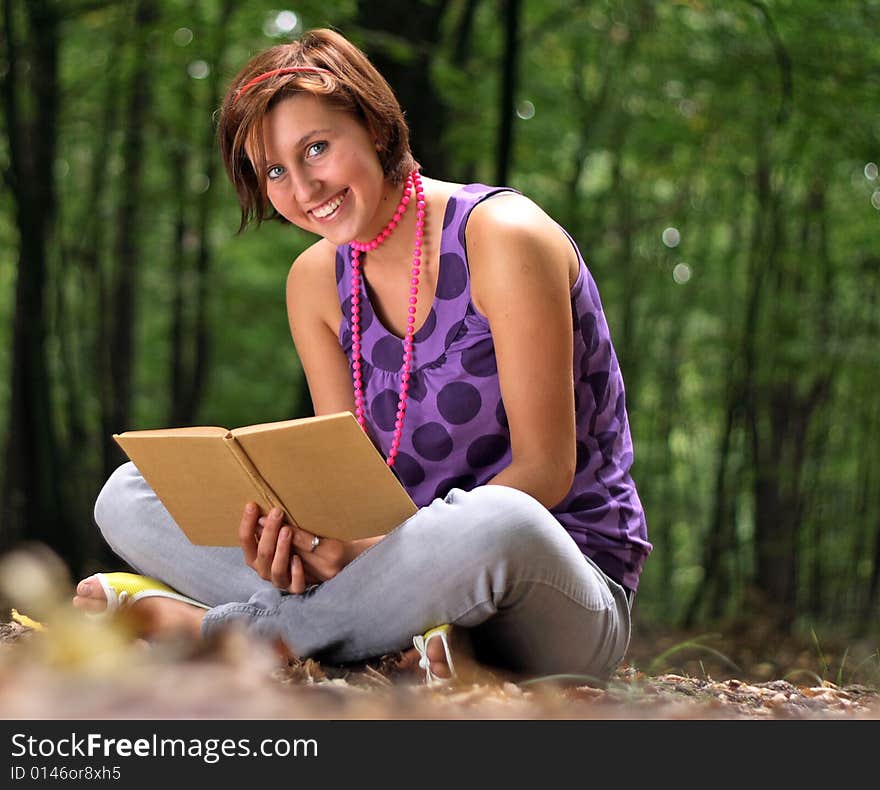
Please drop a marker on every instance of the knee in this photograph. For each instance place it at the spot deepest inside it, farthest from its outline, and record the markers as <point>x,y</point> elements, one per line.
<point>502,523</point>
<point>114,502</point>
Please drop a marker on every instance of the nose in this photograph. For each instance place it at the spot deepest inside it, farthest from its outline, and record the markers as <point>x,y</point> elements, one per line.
<point>304,187</point>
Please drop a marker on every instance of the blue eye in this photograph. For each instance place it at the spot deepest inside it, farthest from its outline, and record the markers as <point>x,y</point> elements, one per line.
<point>320,146</point>
<point>275,172</point>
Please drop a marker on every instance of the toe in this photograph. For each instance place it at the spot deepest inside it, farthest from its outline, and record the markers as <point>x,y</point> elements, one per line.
<point>440,669</point>
<point>90,595</point>
<point>89,604</point>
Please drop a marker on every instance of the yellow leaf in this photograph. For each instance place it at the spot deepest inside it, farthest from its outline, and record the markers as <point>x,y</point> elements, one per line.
<point>23,619</point>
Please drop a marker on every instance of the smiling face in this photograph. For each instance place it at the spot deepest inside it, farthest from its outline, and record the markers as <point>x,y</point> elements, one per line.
<point>323,172</point>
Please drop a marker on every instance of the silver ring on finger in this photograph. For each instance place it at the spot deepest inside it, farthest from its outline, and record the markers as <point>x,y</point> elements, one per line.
<point>315,541</point>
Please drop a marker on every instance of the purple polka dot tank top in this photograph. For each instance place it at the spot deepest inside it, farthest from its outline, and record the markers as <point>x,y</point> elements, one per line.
<point>455,432</point>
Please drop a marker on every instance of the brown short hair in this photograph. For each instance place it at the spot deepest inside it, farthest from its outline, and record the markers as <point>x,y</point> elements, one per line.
<point>353,84</point>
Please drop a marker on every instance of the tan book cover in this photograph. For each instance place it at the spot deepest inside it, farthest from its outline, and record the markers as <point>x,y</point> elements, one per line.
<point>324,472</point>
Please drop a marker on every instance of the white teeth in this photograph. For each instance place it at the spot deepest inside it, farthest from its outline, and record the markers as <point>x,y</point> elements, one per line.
<point>328,208</point>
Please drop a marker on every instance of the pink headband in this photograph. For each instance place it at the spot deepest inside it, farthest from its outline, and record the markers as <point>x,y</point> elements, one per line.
<point>287,70</point>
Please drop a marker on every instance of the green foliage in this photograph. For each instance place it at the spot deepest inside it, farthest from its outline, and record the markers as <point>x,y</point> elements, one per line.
<point>749,347</point>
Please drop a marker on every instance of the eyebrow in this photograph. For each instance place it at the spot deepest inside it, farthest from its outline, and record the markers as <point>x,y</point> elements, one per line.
<point>307,135</point>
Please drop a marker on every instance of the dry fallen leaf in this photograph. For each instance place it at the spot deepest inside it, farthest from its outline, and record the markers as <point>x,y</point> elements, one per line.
<point>26,621</point>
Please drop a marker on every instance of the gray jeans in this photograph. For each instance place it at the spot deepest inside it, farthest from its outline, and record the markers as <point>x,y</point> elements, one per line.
<point>493,560</point>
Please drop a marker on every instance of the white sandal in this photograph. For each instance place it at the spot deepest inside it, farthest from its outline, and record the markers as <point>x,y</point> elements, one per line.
<point>420,642</point>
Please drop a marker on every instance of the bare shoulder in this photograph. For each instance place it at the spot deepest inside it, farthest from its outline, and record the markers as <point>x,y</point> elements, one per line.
<point>508,210</point>
<point>511,228</point>
<point>316,261</point>
<point>311,284</point>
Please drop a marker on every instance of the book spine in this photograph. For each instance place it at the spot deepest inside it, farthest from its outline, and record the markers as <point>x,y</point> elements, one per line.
<point>256,478</point>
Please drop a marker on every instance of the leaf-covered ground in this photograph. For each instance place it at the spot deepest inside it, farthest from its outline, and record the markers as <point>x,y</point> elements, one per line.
<point>86,670</point>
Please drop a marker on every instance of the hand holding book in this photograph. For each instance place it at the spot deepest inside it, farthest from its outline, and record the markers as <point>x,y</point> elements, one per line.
<point>322,472</point>
<point>288,556</point>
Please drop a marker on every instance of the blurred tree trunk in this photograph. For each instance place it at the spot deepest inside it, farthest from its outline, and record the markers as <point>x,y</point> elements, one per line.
<point>32,506</point>
<point>758,392</point>
<point>81,326</point>
<point>584,110</point>
<point>410,76</point>
<point>591,115</point>
<point>814,247</point>
<point>869,501</point>
<point>712,593</point>
<point>626,265</point>
<point>815,533</point>
<point>121,310</point>
<point>785,403</point>
<point>190,351</point>
<point>867,615</point>
<point>775,550</point>
<point>179,282</point>
<point>738,390</point>
<point>663,517</point>
<point>509,69</point>
<point>464,29</point>
<point>779,405</point>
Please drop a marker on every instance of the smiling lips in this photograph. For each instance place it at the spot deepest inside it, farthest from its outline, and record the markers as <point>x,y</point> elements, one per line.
<point>326,209</point>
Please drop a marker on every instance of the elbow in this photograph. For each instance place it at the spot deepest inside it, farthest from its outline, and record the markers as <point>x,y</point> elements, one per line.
<point>546,479</point>
<point>557,479</point>
<point>559,484</point>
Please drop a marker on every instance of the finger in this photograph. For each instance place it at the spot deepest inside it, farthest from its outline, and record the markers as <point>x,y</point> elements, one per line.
<point>326,555</point>
<point>326,560</point>
<point>297,576</point>
<point>313,563</point>
<point>247,532</point>
<point>302,541</point>
<point>280,570</point>
<point>267,543</point>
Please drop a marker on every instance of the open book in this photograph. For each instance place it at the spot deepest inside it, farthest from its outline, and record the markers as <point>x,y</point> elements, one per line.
<point>324,472</point>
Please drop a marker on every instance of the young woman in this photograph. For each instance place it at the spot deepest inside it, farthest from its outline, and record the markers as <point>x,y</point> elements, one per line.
<point>461,326</point>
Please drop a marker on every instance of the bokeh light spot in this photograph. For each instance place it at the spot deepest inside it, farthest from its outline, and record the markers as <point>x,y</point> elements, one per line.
<point>687,108</point>
<point>281,23</point>
<point>200,183</point>
<point>198,69</point>
<point>681,273</point>
<point>871,171</point>
<point>525,110</point>
<point>182,36</point>
<point>286,21</point>
<point>671,237</point>
<point>674,89</point>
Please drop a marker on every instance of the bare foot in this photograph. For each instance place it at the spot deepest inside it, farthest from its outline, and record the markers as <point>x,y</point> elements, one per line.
<point>409,661</point>
<point>154,617</point>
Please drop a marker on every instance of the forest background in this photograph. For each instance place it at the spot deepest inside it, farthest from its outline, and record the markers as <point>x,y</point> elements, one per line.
<point>715,161</point>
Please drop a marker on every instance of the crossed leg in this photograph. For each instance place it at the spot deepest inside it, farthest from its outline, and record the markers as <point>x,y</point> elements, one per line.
<point>492,560</point>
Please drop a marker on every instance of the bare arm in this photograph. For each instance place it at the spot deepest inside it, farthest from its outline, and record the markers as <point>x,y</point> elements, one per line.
<point>312,308</point>
<point>520,262</point>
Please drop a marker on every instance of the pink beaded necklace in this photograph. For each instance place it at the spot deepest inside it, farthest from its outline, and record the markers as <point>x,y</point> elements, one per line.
<point>357,248</point>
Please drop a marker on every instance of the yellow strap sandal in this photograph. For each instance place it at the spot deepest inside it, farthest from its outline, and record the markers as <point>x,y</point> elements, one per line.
<point>123,589</point>
<point>420,642</point>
